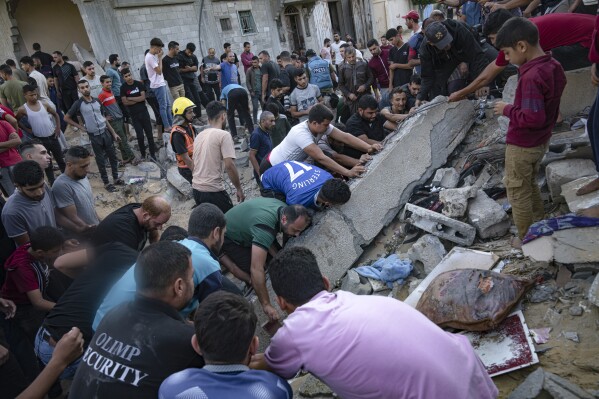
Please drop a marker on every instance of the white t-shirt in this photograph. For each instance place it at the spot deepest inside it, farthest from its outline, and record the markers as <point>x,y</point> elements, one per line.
<point>292,146</point>
<point>41,84</point>
<point>335,48</point>
<point>156,80</point>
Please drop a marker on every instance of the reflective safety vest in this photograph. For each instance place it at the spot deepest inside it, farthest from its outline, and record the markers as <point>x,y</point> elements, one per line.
<point>320,74</point>
<point>188,144</point>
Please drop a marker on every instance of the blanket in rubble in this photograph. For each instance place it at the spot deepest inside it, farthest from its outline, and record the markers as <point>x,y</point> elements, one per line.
<point>548,226</point>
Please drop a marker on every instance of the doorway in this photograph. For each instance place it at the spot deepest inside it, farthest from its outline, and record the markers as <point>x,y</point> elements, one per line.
<point>294,28</point>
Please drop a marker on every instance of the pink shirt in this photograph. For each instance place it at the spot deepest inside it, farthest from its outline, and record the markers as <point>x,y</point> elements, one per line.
<point>377,347</point>
<point>246,60</point>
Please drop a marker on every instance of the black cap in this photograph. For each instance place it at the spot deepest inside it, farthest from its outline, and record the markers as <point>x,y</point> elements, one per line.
<point>437,35</point>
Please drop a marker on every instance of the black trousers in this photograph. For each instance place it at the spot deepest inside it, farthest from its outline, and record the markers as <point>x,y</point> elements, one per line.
<point>103,147</point>
<point>572,57</point>
<point>238,101</point>
<point>194,92</point>
<point>155,108</point>
<point>186,173</point>
<point>241,256</point>
<point>143,124</point>
<point>219,198</point>
<point>68,99</point>
<point>212,91</point>
<point>53,146</point>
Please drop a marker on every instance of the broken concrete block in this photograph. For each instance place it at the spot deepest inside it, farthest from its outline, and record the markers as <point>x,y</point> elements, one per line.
<point>410,157</point>
<point>487,216</point>
<point>429,250</point>
<point>575,202</point>
<point>441,226</point>
<point>543,384</point>
<point>455,200</point>
<point>594,292</point>
<point>174,177</point>
<point>446,177</point>
<point>509,90</point>
<point>312,387</point>
<point>356,284</point>
<point>146,170</point>
<point>578,93</point>
<point>578,245</point>
<point>504,123</point>
<point>330,230</point>
<point>561,172</point>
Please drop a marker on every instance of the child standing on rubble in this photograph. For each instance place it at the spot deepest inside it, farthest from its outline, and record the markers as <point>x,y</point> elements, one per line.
<point>532,117</point>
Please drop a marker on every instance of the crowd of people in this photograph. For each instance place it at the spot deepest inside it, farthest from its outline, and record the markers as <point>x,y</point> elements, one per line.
<point>124,309</point>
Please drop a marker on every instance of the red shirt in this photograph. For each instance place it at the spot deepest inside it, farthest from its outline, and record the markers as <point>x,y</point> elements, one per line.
<point>10,156</point>
<point>556,30</point>
<point>380,68</point>
<point>23,274</point>
<point>594,52</point>
<point>536,104</point>
<point>106,97</point>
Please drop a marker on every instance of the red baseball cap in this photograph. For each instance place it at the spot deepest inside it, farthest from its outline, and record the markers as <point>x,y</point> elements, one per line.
<point>412,14</point>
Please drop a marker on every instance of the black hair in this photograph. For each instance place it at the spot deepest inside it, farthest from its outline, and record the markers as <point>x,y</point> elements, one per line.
<point>28,145</point>
<point>273,108</point>
<point>294,212</point>
<point>82,82</point>
<point>254,58</point>
<point>224,326</point>
<point>372,42</point>
<point>344,45</point>
<point>368,102</point>
<point>515,30</point>
<point>76,152</point>
<point>87,63</point>
<point>27,173</point>
<point>29,88</point>
<point>495,21</point>
<point>104,77</point>
<point>336,191</point>
<point>264,52</point>
<point>190,46</point>
<point>319,113</point>
<point>174,233</point>
<point>6,69</point>
<point>391,33</point>
<point>37,47</point>
<point>46,238</point>
<point>276,84</point>
<point>204,219</point>
<point>297,72</point>
<point>125,71</point>
<point>245,43</point>
<point>172,44</point>
<point>112,58</point>
<point>416,79</point>
<point>327,40</point>
<point>160,264</point>
<point>214,109</point>
<point>227,44</point>
<point>57,53</point>
<point>295,275</point>
<point>396,90</point>
<point>156,42</point>
<point>24,60</point>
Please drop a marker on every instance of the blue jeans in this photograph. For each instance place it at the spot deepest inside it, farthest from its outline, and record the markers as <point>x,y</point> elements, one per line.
<point>164,107</point>
<point>44,352</point>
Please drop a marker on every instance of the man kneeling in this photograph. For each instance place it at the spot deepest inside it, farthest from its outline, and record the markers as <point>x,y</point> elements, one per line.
<point>365,346</point>
<point>225,325</point>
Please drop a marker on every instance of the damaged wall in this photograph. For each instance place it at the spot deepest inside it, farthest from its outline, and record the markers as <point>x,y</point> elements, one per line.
<point>420,146</point>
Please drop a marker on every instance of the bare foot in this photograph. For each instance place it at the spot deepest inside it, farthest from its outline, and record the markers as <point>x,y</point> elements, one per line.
<point>589,187</point>
<point>516,243</point>
<point>592,212</point>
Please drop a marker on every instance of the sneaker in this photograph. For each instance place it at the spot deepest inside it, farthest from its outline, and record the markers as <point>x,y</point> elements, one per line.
<point>110,188</point>
<point>119,182</point>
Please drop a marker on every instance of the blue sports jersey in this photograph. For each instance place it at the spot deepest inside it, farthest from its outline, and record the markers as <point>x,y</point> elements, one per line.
<point>299,182</point>
<point>224,382</point>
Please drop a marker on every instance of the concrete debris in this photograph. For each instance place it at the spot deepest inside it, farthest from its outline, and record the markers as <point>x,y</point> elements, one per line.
<point>356,284</point>
<point>552,317</point>
<point>429,250</point>
<point>312,387</point>
<point>487,216</point>
<point>509,90</point>
<point>561,172</point>
<point>575,202</point>
<point>593,294</point>
<point>586,267</point>
<point>542,293</point>
<point>576,311</point>
<point>578,245</point>
<point>571,335</point>
<point>410,157</point>
<point>413,285</point>
<point>441,226</point>
<point>446,177</point>
<point>147,170</point>
<point>457,258</point>
<point>484,176</point>
<point>455,200</point>
<point>174,177</point>
<point>578,93</point>
<point>543,384</point>
<point>242,160</point>
<point>573,138</point>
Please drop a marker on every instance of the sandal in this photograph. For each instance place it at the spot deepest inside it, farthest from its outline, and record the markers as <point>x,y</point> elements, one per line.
<point>119,182</point>
<point>110,188</point>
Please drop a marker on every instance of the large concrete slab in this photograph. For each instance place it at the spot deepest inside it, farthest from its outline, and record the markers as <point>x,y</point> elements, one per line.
<point>564,171</point>
<point>578,202</point>
<point>578,94</point>
<point>420,146</point>
<point>578,245</point>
